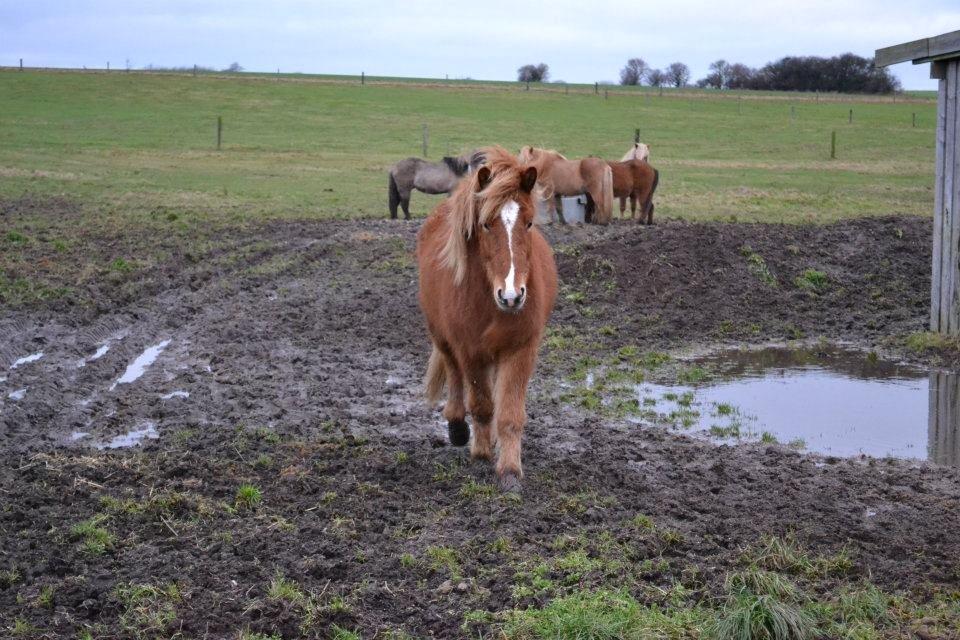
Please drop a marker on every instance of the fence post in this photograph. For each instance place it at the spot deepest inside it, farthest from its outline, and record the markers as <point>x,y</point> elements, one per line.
<point>914,119</point>
<point>636,135</point>
<point>739,105</point>
<point>363,78</point>
<point>426,138</point>
<point>219,131</point>
<point>528,86</point>
<point>793,113</point>
<point>194,71</point>
<point>850,117</point>
<point>108,65</point>
<point>661,91</point>
<point>21,64</point>
<point>606,94</point>
<point>596,88</point>
<point>833,145</point>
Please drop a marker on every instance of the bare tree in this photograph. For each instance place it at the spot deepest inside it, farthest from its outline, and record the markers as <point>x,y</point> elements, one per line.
<point>533,73</point>
<point>678,74</point>
<point>740,76</point>
<point>634,73</point>
<point>719,76</point>
<point>657,78</point>
<point>234,68</point>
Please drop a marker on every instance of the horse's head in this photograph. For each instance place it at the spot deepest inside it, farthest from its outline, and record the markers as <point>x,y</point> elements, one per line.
<point>504,237</point>
<point>491,217</point>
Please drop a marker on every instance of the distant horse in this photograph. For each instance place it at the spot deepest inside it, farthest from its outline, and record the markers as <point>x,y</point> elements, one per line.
<point>428,177</point>
<point>487,286</point>
<point>638,151</point>
<point>635,180</point>
<point>561,177</point>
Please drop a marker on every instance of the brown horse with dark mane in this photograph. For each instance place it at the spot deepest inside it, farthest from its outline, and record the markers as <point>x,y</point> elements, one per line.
<point>487,286</point>
<point>637,180</point>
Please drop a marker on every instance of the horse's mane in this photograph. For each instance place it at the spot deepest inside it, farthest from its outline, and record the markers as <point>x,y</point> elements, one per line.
<point>458,165</point>
<point>527,153</point>
<point>469,205</point>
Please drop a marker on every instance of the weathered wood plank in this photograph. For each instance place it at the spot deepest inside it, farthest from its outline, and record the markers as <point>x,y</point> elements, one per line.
<point>902,52</point>
<point>949,319</point>
<point>952,191</point>
<point>944,44</point>
<point>936,283</point>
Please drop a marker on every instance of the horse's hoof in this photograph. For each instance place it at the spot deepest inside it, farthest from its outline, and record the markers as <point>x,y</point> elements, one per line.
<point>509,483</point>
<point>459,432</point>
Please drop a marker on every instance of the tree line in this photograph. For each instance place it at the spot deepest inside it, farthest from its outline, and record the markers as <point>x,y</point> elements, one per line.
<point>845,73</point>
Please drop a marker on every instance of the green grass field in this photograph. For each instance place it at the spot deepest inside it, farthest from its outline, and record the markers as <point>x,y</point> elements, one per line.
<point>320,146</point>
<point>133,158</point>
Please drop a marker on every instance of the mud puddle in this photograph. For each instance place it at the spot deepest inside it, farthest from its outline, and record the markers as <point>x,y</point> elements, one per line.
<point>828,400</point>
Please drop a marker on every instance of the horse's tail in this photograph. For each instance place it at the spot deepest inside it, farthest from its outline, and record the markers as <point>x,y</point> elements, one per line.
<point>394,196</point>
<point>436,376</point>
<point>605,205</point>
<point>648,205</point>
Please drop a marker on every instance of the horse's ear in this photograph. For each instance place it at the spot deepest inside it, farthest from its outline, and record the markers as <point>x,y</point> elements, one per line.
<point>528,179</point>
<point>483,177</point>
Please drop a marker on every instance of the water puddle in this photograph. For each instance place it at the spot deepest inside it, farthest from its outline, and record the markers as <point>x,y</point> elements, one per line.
<point>132,438</point>
<point>175,394</point>
<point>33,357</point>
<point>99,353</point>
<point>824,399</point>
<point>19,394</point>
<point>140,365</point>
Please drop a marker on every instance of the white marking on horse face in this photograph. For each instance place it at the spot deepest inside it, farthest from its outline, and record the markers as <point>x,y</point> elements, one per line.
<point>508,215</point>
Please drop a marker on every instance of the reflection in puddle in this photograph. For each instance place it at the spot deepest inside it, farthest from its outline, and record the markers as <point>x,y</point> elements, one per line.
<point>829,400</point>
<point>18,394</point>
<point>33,357</point>
<point>175,394</point>
<point>132,438</point>
<point>78,435</point>
<point>139,366</point>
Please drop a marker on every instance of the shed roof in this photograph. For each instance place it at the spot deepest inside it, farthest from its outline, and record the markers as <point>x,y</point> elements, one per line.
<point>942,47</point>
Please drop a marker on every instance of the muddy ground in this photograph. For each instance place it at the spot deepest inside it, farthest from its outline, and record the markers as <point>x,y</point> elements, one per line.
<point>294,359</point>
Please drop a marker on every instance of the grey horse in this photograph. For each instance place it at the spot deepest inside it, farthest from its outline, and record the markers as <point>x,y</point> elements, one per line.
<point>428,177</point>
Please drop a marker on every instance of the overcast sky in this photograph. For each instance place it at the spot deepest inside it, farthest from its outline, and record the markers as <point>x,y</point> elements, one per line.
<point>582,41</point>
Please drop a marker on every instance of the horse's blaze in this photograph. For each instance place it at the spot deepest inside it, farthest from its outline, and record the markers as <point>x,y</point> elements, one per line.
<point>510,294</point>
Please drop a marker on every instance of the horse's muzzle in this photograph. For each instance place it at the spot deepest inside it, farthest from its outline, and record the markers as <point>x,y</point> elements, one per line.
<point>511,302</point>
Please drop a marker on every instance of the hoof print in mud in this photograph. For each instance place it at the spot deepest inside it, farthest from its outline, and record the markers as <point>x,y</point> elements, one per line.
<point>509,483</point>
<point>459,433</point>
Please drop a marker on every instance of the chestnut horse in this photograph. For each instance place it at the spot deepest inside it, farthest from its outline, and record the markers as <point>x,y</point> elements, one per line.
<point>638,151</point>
<point>558,176</point>
<point>487,286</point>
<point>636,180</point>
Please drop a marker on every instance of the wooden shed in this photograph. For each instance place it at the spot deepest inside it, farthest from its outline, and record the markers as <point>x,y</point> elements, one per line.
<point>943,54</point>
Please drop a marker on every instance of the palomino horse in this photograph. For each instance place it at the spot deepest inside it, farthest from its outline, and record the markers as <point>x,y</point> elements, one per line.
<point>561,177</point>
<point>638,151</point>
<point>636,180</point>
<point>428,177</point>
<point>487,286</point>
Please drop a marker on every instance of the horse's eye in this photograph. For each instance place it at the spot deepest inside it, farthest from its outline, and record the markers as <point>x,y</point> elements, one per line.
<point>486,225</point>
<point>529,224</point>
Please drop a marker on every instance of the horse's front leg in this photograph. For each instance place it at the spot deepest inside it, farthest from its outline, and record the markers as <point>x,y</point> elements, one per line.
<point>558,209</point>
<point>510,415</point>
<point>480,403</point>
<point>454,410</point>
